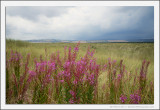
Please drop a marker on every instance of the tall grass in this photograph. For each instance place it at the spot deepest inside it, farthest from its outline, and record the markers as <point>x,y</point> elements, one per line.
<point>114,73</point>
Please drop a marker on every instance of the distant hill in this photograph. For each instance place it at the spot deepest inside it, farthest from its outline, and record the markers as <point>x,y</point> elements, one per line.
<point>44,40</point>
<point>140,40</point>
<point>88,41</point>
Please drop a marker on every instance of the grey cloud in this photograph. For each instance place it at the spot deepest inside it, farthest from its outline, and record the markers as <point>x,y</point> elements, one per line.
<point>80,23</point>
<point>32,12</point>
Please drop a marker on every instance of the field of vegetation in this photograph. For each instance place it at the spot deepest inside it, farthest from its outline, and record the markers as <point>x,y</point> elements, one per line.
<point>83,73</point>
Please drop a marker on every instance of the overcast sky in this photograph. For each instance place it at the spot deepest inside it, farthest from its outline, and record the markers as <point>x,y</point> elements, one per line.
<point>80,23</point>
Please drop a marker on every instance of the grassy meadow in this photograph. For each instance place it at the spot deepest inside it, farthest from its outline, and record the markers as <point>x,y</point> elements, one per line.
<point>117,73</point>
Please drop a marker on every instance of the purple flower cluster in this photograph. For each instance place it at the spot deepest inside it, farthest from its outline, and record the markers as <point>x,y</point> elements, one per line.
<point>119,76</point>
<point>40,67</point>
<point>45,66</point>
<point>75,80</point>
<point>51,66</point>
<point>135,98</point>
<point>91,79</point>
<point>123,98</point>
<point>76,49</point>
<point>15,57</point>
<point>32,73</point>
<point>72,92</point>
<point>72,99</point>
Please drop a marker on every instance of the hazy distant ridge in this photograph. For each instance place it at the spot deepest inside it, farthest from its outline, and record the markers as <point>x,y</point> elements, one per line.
<point>88,41</point>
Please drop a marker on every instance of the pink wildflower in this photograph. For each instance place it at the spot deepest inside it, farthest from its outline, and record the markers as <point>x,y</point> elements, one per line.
<point>123,98</point>
<point>74,82</point>
<point>71,101</point>
<point>76,49</point>
<point>72,92</point>
<point>135,98</point>
<point>32,73</point>
<point>61,81</point>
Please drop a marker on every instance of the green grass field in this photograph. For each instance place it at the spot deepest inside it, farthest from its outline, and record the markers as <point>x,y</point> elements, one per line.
<point>132,55</point>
